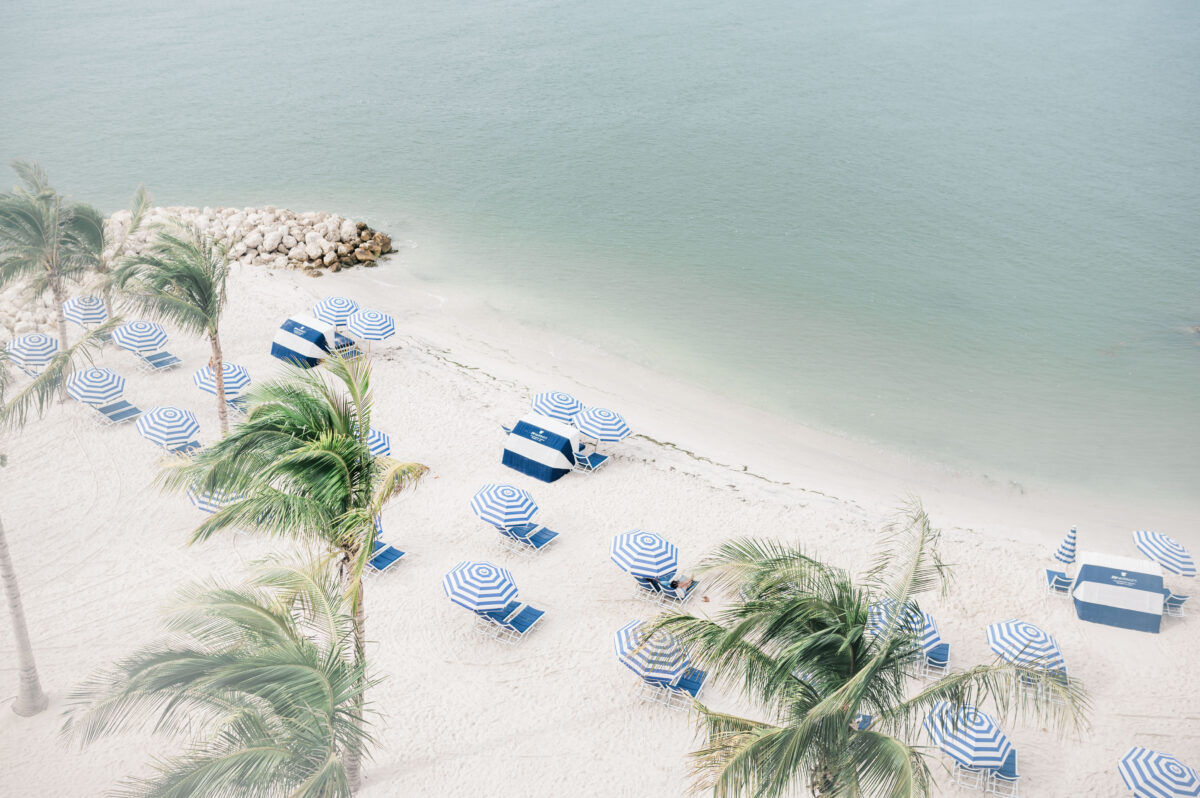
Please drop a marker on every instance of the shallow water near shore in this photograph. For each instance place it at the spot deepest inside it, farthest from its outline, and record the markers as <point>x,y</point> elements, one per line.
<point>963,233</point>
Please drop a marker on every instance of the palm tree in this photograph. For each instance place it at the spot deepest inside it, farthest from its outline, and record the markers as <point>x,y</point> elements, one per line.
<point>181,279</point>
<point>40,237</point>
<point>794,643</point>
<point>104,254</point>
<point>301,464</point>
<point>257,680</point>
<point>31,699</point>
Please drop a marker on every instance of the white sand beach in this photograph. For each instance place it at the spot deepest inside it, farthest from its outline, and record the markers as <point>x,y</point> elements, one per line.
<point>99,549</point>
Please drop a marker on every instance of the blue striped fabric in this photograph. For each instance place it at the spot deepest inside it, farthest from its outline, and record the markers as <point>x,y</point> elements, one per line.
<point>1022,643</point>
<point>371,325</point>
<point>1153,774</point>
<point>302,341</point>
<point>1166,551</point>
<point>479,586</point>
<point>557,405</point>
<point>95,385</point>
<point>335,309</point>
<point>140,336</point>
<point>541,447</point>
<point>645,554</point>
<point>168,426</point>
<point>211,502</point>
<point>912,621</point>
<point>379,442</point>
<point>602,424</point>
<point>968,736</point>
<point>650,656</point>
<point>85,310</point>
<point>1066,550</point>
<point>503,505</point>
<point>33,350</point>
<point>236,379</point>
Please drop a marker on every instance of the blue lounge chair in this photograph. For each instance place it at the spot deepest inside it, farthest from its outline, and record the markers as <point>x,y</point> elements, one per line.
<point>115,413</point>
<point>156,361</point>
<point>589,462</point>
<point>345,346</point>
<point>1173,603</point>
<point>861,722</point>
<point>678,694</point>
<point>510,624</point>
<point>971,778</point>
<point>650,589</point>
<point>185,449</point>
<point>937,661</point>
<point>383,556</point>
<point>1004,779</point>
<point>658,592</point>
<point>238,403</point>
<point>527,539</point>
<point>1058,583</point>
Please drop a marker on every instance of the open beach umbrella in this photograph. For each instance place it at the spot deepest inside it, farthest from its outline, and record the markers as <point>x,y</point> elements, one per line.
<point>968,736</point>
<point>335,309</point>
<point>371,325</point>
<point>95,386</point>
<point>33,350</point>
<point>503,505</point>
<point>1066,550</point>
<point>645,554</point>
<point>650,656</point>
<point>602,424</point>
<point>211,502</point>
<point>1153,774</point>
<point>168,426</point>
<point>557,405</point>
<point>85,310</point>
<point>379,442</point>
<point>1166,551</point>
<point>479,586</point>
<point>140,336</point>
<point>236,379</point>
<point>1022,643</point>
<point>921,624</point>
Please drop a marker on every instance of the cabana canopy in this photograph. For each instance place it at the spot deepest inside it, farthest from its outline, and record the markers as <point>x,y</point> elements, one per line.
<point>1119,591</point>
<point>303,340</point>
<point>541,447</point>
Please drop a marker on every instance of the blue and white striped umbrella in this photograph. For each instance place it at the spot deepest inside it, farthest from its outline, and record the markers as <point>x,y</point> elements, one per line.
<point>557,405</point>
<point>236,379</point>
<point>85,310</point>
<point>921,624</point>
<point>168,426</point>
<point>645,554</point>
<point>95,386</point>
<point>371,325</point>
<point>335,309</point>
<point>1153,774</point>
<point>650,656</point>
<point>967,735</point>
<point>379,442</point>
<point>602,424</point>
<point>479,586</point>
<point>140,336</point>
<point>503,505</point>
<point>211,502</point>
<point>1022,643</point>
<point>33,350</point>
<point>1066,549</point>
<point>1166,551</point>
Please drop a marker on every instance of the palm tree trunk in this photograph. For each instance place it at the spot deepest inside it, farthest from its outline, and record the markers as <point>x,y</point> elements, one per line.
<point>218,369</point>
<point>31,699</point>
<point>353,761</point>
<point>57,293</point>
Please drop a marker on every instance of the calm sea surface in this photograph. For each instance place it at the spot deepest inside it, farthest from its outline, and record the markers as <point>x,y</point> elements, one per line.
<point>966,230</point>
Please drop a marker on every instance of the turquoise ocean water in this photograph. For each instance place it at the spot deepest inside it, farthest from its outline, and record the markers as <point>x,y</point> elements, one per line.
<point>969,231</point>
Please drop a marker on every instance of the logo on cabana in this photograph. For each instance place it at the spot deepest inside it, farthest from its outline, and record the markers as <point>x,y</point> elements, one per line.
<point>1123,580</point>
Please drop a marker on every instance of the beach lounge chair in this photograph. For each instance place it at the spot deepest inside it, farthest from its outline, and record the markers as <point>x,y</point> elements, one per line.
<point>676,695</point>
<point>383,556</point>
<point>1004,780</point>
<point>589,462</point>
<point>861,722</point>
<point>238,404</point>
<point>1173,603</point>
<point>1058,583</point>
<point>185,449</point>
<point>649,589</point>
<point>510,624</point>
<point>114,413</point>
<point>156,361</point>
<point>527,539</point>
<point>345,346</point>
<point>936,661</point>
<point>657,592</point>
<point>968,777</point>
<point>671,595</point>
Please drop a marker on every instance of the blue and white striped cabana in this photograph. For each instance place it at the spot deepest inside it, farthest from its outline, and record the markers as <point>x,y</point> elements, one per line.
<point>650,656</point>
<point>479,586</point>
<point>236,379</point>
<point>85,310</point>
<point>95,386</point>
<point>1166,551</point>
<point>1066,550</point>
<point>168,426</point>
<point>881,614</point>
<point>645,554</point>
<point>32,351</point>
<point>140,336</point>
<point>503,505</point>
<point>1153,774</point>
<point>541,447</point>
<point>557,405</point>
<point>303,341</point>
<point>602,424</point>
<point>968,736</point>
<point>371,325</point>
<point>335,309</point>
<point>1024,644</point>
